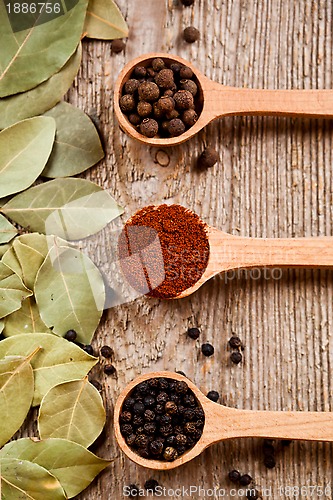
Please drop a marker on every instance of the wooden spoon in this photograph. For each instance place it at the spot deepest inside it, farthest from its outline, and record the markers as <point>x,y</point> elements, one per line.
<point>216,100</point>
<point>222,423</point>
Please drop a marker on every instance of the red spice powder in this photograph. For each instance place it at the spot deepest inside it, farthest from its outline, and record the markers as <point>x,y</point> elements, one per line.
<point>163,250</point>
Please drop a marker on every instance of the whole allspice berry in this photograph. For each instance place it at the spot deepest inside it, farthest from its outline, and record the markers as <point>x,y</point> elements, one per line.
<point>134,119</point>
<point>183,99</point>
<point>131,86</point>
<point>149,127</point>
<point>236,357</point>
<point>127,103</point>
<point>189,117</point>
<point>191,34</point>
<point>185,73</point>
<point>208,158</point>
<point>148,91</point>
<point>158,64</point>
<point>176,127</point>
<point>144,109</point>
<point>166,104</point>
<point>164,79</point>
<point>189,85</point>
<point>140,72</point>
<point>117,46</point>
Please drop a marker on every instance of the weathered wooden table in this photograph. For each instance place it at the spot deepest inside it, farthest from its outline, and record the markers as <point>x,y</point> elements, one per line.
<point>274,179</point>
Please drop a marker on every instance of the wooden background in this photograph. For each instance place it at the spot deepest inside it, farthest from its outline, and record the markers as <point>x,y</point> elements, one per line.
<point>273,180</point>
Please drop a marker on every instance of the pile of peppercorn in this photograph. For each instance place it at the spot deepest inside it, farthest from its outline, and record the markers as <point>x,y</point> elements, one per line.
<point>160,99</point>
<point>161,419</point>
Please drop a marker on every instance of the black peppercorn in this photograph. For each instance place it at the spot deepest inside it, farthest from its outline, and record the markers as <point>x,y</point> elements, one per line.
<point>151,485</point>
<point>158,64</point>
<point>71,335</point>
<point>127,103</point>
<point>130,439</point>
<point>175,398</point>
<point>189,400</point>
<point>166,430</point>
<point>126,429</point>
<point>189,414</point>
<point>236,357</point>
<point>149,428</point>
<point>176,127</point>
<point>109,370</point>
<point>189,85</point>
<point>144,109</point>
<point>171,407</point>
<point>149,127</point>
<point>286,442</point>
<point>181,387</point>
<point>208,158</point>
<point>185,73</point>
<point>213,395</point>
<point>245,480</point>
<point>148,91</point>
<point>235,342</point>
<point>106,351</point>
<point>139,408</point>
<point>164,79</point>
<point>268,447</point>
<point>207,349</point>
<point>190,428</point>
<point>234,476</point>
<point>156,447</point>
<point>170,454</point>
<point>183,99</point>
<point>171,440</point>
<point>187,3</point>
<point>131,86</point>
<point>191,34</point>
<point>117,46</point>
<point>154,383</point>
<point>149,415</point>
<point>149,401</point>
<point>133,490</point>
<point>199,413</point>
<point>137,420</point>
<point>144,452</point>
<point>165,419</point>
<point>189,117</point>
<point>128,403</point>
<point>193,333</point>
<point>141,441</point>
<point>159,408</point>
<point>164,384</point>
<point>252,494</point>
<point>162,397</point>
<point>125,417</point>
<point>269,461</point>
<point>181,440</point>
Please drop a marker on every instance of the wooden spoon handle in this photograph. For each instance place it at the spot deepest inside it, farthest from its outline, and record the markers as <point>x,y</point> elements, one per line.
<point>222,101</point>
<point>313,426</point>
<point>235,252</point>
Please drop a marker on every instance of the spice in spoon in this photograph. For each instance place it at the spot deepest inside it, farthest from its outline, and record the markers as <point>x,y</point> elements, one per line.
<point>163,250</point>
<point>161,419</point>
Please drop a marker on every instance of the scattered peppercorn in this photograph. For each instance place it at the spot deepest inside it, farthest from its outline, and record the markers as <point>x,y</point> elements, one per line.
<point>89,349</point>
<point>207,349</point>
<point>252,494</point>
<point>193,333</point>
<point>133,490</point>
<point>235,342</point>
<point>191,34</point>
<point>208,158</point>
<point>151,485</point>
<point>269,461</point>
<point>109,370</point>
<point>234,476</point>
<point>161,433</point>
<point>71,335</point>
<point>187,3</point>
<point>213,396</point>
<point>106,351</point>
<point>245,480</point>
<point>236,357</point>
<point>117,46</point>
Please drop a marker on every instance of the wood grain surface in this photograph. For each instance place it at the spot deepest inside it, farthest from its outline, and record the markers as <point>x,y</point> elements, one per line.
<point>274,179</point>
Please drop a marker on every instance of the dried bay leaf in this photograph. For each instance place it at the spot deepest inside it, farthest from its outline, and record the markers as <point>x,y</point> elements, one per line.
<point>2,325</point>
<point>72,464</point>
<point>58,360</point>
<point>21,479</point>
<point>68,282</point>
<point>16,393</point>
<point>77,145</point>
<point>3,249</point>
<point>24,151</point>
<point>74,411</point>
<point>12,291</point>
<point>69,208</point>
<point>25,320</point>
<point>104,21</point>
<point>7,230</point>
<point>41,98</point>
<point>33,55</point>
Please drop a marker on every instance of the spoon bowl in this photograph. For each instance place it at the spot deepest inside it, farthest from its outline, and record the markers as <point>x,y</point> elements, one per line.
<point>223,423</point>
<point>215,100</point>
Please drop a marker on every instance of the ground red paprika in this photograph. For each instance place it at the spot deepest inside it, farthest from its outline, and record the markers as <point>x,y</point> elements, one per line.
<point>163,250</point>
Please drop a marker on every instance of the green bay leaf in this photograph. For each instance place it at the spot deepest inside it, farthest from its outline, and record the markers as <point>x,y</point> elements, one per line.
<point>23,480</point>
<point>33,55</point>
<point>25,320</point>
<point>41,98</point>
<point>77,144</point>
<point>7,230</point>
<point>74,411</point>
<point>16,392</point>
<point>12,291</point>
<point>69,282</point>
<point>72,464</point>
<point>104,21</point>
<point>58,360</point>
<point>69,208</point>
<point>24,151</point>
